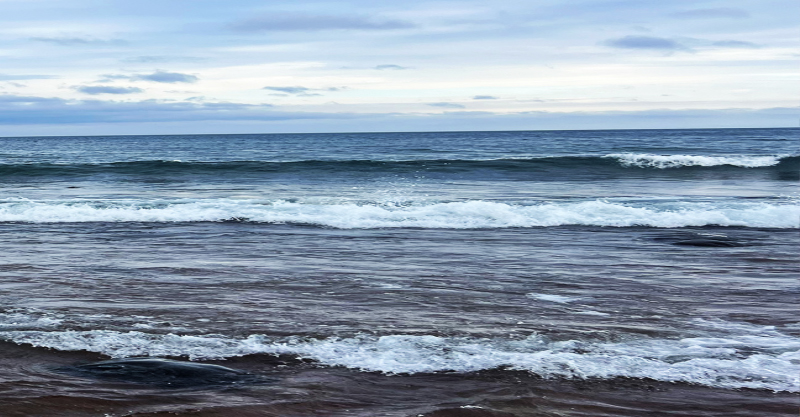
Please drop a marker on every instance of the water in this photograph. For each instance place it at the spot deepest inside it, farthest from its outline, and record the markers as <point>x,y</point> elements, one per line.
<point>400,274</point>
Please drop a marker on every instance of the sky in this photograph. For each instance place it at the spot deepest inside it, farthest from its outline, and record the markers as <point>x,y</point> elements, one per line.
<point>103,67</point>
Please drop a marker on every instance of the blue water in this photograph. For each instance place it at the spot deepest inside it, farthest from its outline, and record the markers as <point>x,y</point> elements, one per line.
<point>657,255</point>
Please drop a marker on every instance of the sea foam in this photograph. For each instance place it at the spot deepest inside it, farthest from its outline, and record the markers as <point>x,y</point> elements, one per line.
<point>758,358</point>
<point>444,215</point>
<point>562,299</point>
<point>677,161</point>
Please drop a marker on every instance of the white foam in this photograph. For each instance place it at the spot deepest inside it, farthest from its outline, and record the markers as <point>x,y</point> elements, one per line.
<point>12,320</point>
<point>758,359</point>
<point>552,298</point>
<point>452,215</point>
<point>677,161</point>
<point>592,313</point>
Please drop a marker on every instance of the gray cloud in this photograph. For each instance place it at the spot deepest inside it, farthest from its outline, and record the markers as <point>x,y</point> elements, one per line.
<point>390,67</point>
<point>12,99</point>
<point>42,111</point>
<point>103,89</point>
<point>309,22</point>
<point>158,77</point>
<point>13,77</point>
<point>289,90</point>
<point>300,91</point>
<point>736,44</point>
<point>720,12</point>
<point>447,105</point>
<point>645,42</point>
<point>167,77</point>
<point>75,41</point>
<point>485,98</point>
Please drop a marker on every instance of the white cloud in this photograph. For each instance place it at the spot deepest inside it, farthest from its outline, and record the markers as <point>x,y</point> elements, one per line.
<point>712,13</point>
<point>78,41</point>
<point>400,59</point>
<point>276,22</point>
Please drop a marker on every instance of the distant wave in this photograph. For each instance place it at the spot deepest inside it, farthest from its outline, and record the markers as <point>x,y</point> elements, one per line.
<point>446,215</point>
<point>730,356</point>
<point>611,164</point>
<point>677,161</point>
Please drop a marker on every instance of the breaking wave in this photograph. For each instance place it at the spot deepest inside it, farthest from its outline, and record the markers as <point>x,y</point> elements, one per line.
<point>442,215</point>
<point>731,356</point>
<point>609,163</point>
<point>677,161</point>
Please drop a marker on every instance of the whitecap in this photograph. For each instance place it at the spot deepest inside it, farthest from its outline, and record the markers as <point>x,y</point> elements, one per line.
<point>552,298</point>
<point>592,313</point>
<point>677,161</point>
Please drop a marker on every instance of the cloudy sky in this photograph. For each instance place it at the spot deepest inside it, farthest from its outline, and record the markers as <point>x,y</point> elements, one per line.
<point>73,67</point>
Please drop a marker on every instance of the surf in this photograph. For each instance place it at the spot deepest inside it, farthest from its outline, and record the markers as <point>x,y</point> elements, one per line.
<point>345,214</point>
<point>730,355</point>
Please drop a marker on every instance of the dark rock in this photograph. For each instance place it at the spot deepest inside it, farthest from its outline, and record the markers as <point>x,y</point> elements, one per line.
<point>468,412</point>
<point>710,243</point>
<point>163,373</point>
<point>699,240</point>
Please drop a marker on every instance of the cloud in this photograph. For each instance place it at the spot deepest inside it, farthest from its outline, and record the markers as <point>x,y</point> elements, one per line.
<point>12,99</point>
<point>167,77</point>
<point>27,110</point>
<point>113,77</point>
<point>645,42</point>
<point>390,67</point>
<point>147,59</point>
<point>158,77</point>
<point>721,12</point>
<point>30,116</point>
<point>13,77</point>
<point>75,41</point>
<point>290,90</point>
<point>102,89</point>
<point>308,22</point>
<point>736,44</point>
<point>300,91</point>
<point>447,105</point>
<point>485,98</point>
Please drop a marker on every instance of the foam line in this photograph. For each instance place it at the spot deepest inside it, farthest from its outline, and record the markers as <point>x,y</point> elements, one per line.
<point>759,358</point>
<point>453,215</point>
<point>677,161</point>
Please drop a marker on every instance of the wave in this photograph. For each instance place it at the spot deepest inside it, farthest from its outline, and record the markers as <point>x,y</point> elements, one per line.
<point>677,161</point>
<point>443,215</point>
<point>610,163</point>
<point>735,356</point>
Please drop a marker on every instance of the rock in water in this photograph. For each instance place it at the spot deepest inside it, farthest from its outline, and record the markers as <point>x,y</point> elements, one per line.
<point>164,373</point>
<point>709,243</point>
<point>699,240</point>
